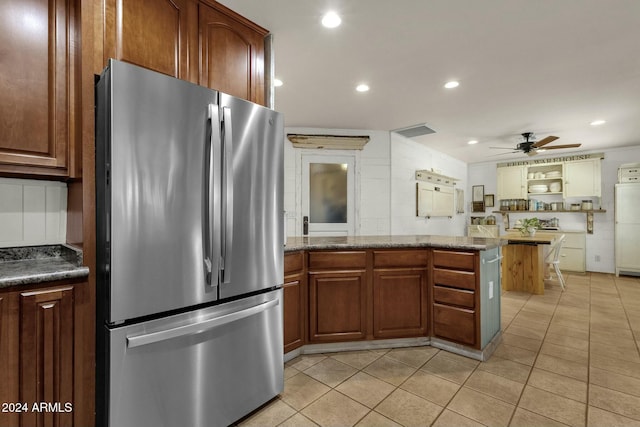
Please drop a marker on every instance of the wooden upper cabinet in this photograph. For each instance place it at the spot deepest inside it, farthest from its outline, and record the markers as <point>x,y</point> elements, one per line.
<point>153,34</point>
<point>231,53</point>
<point>39,84</point>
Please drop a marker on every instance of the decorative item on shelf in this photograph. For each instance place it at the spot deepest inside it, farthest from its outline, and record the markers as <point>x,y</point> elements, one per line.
<point>477,194</point>
<point>555,187</point>
<point>489,200</point>
<point>529,226</point>
<point>587,205</point>
<point>575,206</point>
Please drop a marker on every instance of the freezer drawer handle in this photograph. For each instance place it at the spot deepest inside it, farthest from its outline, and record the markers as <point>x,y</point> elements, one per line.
<point>200,327</point>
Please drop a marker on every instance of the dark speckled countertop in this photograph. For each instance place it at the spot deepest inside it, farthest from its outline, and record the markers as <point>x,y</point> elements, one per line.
<point>409,241</point>
<point>38,264</point>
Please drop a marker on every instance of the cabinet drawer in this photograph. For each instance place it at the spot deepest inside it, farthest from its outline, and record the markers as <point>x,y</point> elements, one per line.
<point>459,297</point>
<point>456,324</point>
<point>456,279</point>
<point>397,259</point>
<point>574,240</point>
<point>336,260</point>
<point>293,262</point>
<point>456,260</point>
<point>624,179</point>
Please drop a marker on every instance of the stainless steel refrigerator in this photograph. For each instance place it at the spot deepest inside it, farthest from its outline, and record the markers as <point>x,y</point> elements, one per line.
<point>189,206</point>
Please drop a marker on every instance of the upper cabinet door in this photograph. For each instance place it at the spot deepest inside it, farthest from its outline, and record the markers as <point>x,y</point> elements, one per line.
<point>151,33</point>
<point>511,182</point>
<point>231,54</point>
<point>583,178</point>
<point>38,85</point>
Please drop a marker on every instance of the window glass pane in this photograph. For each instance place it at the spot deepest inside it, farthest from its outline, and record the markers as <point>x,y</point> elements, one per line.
<point>328,193</point>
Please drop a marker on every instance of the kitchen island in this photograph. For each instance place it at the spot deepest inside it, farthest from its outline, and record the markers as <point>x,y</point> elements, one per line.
<point>357,292</point>
<point>523,266</point>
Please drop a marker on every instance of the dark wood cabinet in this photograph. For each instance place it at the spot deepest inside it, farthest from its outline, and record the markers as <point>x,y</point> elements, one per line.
<point>400,298</point>
<point>456,296</point>
<point>231,53</point>
<point>337,296</point>
<point>45,347</point>
<point>154,34</point>
<point>40,86</point>
<point>294,301</point>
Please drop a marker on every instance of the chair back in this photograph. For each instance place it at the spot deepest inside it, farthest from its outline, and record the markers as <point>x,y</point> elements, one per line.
<point>554,252</point>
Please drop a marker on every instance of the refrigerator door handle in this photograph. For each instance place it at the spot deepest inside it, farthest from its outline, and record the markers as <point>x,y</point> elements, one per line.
<point>211,226</point>
<point>227,182</point>
<point>198,327</point>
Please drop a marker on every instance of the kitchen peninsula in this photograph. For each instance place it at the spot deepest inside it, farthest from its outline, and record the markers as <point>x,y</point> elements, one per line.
<point>356,292</point>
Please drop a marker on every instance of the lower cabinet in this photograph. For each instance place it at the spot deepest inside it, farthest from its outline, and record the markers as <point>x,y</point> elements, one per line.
<point>41,348</point>
<point>294,301</point>
<point>337,306</point>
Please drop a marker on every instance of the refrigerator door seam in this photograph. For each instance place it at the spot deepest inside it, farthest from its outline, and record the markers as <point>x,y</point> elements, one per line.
<point>199,327</point>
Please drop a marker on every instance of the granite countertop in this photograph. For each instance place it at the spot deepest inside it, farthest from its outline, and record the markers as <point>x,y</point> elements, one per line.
<point>409,241</point>
<point>38,264</point>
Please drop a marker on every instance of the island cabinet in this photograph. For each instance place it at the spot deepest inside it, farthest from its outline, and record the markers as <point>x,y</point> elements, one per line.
<point>39,106</point>
<point>200,41</point>
<point>400,292</point>
<point>44,350</point>
<point>294,301</point>
<point>337,295</point>
<point>466,299</point>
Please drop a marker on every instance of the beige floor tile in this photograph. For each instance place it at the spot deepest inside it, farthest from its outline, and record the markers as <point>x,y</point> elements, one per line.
<point>623,367</point>
<point>330,372</point>
<point>561,321</point>
<point>608,339</point>
<point>431,387</point>
<point>408,409</point>
<point>271,415</point>
<point>506,368</point>
<point>475,405</point>
<point>567,341</point>
<point>290,371</point>
<point>298,420</point>
<point>305,361</point>
<point>599,418</point>
<point>335,409</point>
<point>365,389</point>
<point>390,370</point>
<point>553,406</point>
<point>560,329</point>
<point>466,361</point>
<point>614,381</point>
<point>374,419</point>
<point>449,418</point>
<point>615,401</point>
<point>517,354</point>
<point>413,356</point>
<point>524,331</point>
<point>524,418</point>
<point>495,385</point>
<point>577,370</point>
<point>566,353</point>
<point>301,390</point>
<point>599,328</point>
<point>448,368</point>
<point>522,342</point>
<point>533,316</point>
<point>622,353</point>
<point>558,384</point>
<point>357,359</point>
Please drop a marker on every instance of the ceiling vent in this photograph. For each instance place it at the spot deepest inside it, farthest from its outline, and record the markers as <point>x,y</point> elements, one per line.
<point>415,130</point>
<point>329,142</point>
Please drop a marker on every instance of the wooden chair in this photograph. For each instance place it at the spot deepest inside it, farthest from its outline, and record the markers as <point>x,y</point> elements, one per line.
<point>553,259</point>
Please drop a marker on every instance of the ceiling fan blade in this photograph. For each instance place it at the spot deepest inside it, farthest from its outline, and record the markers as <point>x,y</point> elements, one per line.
<point>555,147</point>
<point>544,141</point>
<point>502,154</point>
<point>503,148</point>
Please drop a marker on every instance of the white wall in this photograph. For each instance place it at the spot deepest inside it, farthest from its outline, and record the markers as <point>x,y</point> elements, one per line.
<point>372,180</point>
<point>32,212</point>
<point>407,156</point>
<point>600,244</point>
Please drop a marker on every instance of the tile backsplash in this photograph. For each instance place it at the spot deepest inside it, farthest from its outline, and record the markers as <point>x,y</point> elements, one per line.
<point>32,212</point>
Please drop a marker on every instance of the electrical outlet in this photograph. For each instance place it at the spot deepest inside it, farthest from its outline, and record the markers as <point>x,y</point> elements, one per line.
<point>490,289</point>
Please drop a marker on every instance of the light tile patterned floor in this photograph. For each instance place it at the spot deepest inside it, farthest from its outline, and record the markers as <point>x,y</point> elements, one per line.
<point>567,358</point>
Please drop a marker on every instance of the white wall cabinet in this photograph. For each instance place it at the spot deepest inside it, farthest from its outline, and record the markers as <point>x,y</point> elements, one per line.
<point>573,251</point>
<point>511,182</point>
<point>582,178</point>
<point>434,200</point>
<point>627,228</point>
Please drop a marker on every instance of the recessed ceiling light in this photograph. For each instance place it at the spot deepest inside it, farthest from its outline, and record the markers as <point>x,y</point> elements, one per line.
<point>451,84</point>
<point>473,141</point>
<point>331,20</point>
<point>277,82</point>
<point>362,88</point>
<point>598,122</point>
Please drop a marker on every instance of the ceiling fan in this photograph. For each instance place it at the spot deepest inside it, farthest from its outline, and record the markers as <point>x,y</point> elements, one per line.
<point>530,147</point>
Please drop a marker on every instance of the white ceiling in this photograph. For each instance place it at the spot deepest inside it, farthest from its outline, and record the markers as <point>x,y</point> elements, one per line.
<point>546,66</point>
